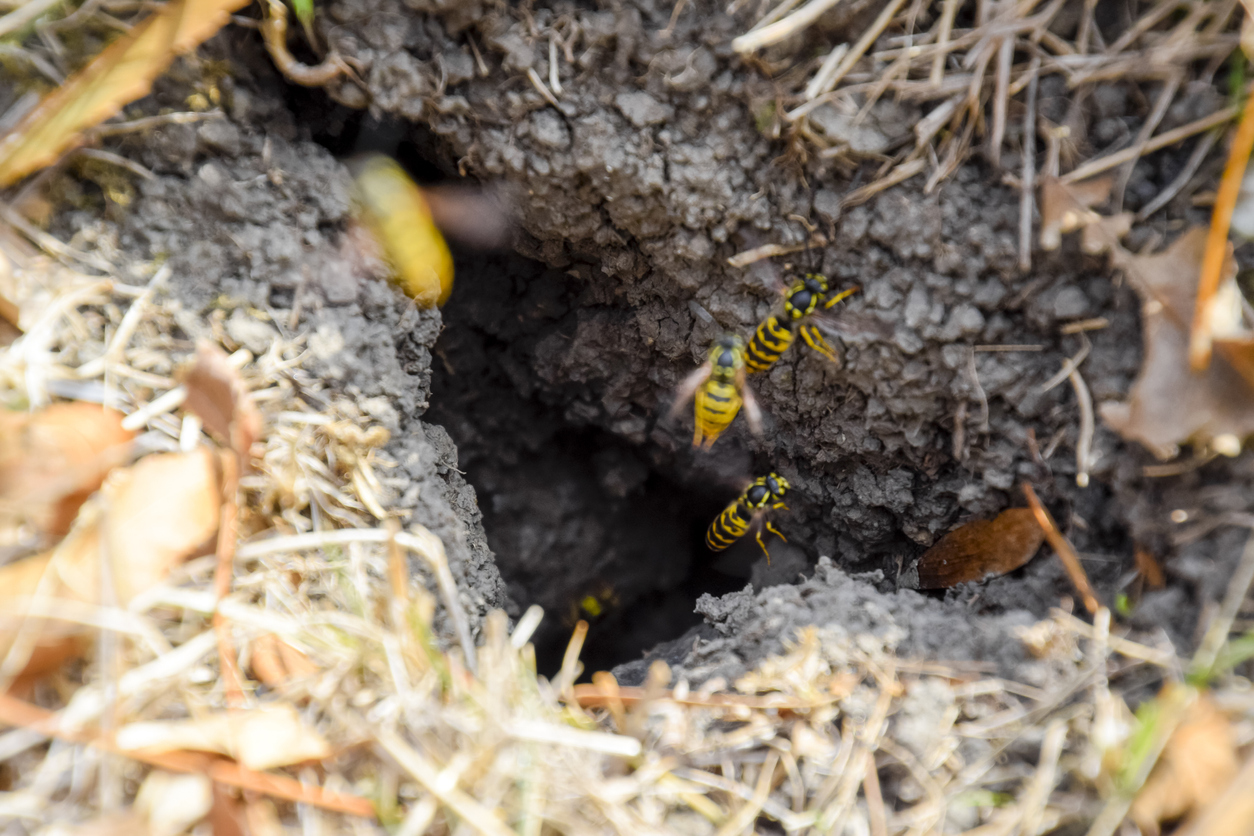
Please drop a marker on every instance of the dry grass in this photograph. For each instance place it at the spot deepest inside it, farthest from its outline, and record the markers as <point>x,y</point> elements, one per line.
<point>429,734</point>
<point>976,87</point>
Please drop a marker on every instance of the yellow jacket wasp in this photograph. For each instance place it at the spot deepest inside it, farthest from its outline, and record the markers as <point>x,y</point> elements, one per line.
<point>749,511</point>
<point>718,390</point>
<point>804,301</point>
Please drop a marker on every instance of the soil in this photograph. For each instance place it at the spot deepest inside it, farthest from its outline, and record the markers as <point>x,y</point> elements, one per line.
<point>550,381</point>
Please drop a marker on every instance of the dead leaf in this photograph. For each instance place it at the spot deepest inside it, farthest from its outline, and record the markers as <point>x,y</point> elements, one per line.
<point>120,74</point>
<point>1195,768</point>
<point>981,550</point>
<point>275,662</point>
<point>259,738</point>
<point>1104,233</point>
<point>217,395</point>
<point>146,519</point>
<point>1168,404</point>
<point>1148,568</point>
<point>1068,206</point>
<point>171,803</point>
<point>52,460</point>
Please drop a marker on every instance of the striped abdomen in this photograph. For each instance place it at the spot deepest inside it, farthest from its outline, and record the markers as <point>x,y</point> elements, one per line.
<point>729,527</point>
<point>714,408</point>
<point>767,344</point>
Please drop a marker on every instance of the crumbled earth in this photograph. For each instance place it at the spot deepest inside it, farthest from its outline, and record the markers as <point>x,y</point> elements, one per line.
<point>552,378</point>
<point>252,217</point>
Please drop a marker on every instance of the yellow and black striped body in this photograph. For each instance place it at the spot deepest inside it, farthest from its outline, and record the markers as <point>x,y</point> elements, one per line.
<point>767,344</point>
<point>773,337</point>
<point>762,495</point>
<point>718,400</point>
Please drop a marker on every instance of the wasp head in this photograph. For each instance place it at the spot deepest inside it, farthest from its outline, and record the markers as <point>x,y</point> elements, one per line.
<point>727,352</point>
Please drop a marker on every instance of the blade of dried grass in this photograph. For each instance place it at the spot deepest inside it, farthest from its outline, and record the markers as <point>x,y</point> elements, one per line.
<point>946,25</point>
<point>744,816</point>
<point>1217,632</point>
<point>861,45</point>
<point>17,712</point>
<point>1001,99</point>
<point>775,32</point>
<point>1159,142</point>
<point>228,535</point>
<point>1035,796</point>
<point>1164,99</point>
<point>787,819</point>
<point>424,772</point>
<point>539,731</point>
<point>876,812</point>
<point>899,174</point>
<point>1162,658</point>
<point>1028,185</point>
<point>1070,560</point>
<point>526,626</point>
<point>127,327</point>
<point>1175,186</point>
<point>822,81</point>
<point>570,661</point>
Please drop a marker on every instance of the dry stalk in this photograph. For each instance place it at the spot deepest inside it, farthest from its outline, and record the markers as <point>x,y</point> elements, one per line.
<point>1070,560</point>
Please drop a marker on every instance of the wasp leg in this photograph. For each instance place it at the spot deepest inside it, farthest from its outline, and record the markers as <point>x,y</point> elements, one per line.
<point>840,297</point>
<point>781,505</point>
<point>774,531</point>
<point>763,546</point>
<point>815,340</point>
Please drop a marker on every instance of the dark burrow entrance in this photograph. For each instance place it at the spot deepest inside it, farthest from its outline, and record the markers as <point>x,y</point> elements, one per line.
<point>581,522</point>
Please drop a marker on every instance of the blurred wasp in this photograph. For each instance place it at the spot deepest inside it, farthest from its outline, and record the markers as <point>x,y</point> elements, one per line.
<point>749,511</point>
<point>598,599</point>
<point>805,300</point>
<point>718,390</point>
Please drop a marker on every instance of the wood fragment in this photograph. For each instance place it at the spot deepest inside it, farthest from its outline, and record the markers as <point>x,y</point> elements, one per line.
<point>1217,245</point>
<point>1070,560</point>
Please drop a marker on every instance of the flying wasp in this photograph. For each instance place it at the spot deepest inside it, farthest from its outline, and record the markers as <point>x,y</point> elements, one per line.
<point>718,390</point>
<point>804,301</point>
<point>749,511</point>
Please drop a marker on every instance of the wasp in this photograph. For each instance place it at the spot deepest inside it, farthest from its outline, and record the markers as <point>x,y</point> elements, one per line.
<point>807,297</point>
<point>749,511</point>
<point>718,390</point>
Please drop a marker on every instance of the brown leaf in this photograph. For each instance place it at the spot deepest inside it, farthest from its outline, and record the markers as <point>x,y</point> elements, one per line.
<point>1195,768</point>
<point>1068,206</point>
<point>1169,405</point>
<point>52,460</point>
<point>123,72</point>
<point>217,395</point>
<point>146,519</point>
<point>981,550</point>
<point>1148,568</point>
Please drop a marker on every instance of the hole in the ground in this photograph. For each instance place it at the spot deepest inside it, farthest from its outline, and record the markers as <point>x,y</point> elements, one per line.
<point>581,522</point>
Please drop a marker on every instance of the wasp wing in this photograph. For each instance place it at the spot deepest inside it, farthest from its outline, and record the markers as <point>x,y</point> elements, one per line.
<point>687,389</point>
